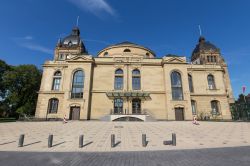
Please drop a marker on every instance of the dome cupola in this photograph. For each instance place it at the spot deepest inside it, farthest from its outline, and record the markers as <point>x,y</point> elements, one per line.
<point>205,52</point>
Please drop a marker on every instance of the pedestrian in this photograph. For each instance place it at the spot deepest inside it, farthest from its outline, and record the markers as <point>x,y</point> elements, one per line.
<point>195,121</point>
<point>64,119</point>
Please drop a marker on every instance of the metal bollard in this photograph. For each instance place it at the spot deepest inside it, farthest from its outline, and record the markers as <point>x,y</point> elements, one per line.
<point>144,141</point>
<point>173,139</point>
<point>81,141</point>
<point>21,140</point>
<point>112,140</point>
<point>50,141</point>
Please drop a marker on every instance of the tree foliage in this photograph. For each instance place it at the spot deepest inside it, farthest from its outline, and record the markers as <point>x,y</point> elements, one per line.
<point>21,85</point>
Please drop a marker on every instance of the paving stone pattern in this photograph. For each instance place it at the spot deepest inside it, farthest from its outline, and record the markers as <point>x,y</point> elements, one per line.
<point>128,135</point>
<point>237,156</point>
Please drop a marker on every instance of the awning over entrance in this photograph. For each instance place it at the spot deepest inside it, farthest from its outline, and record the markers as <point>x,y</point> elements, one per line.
<point>129,95</point>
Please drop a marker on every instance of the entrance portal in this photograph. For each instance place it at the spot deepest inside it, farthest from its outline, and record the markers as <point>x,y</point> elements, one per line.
<point>74,113</point>
<point>179,114</point>
<point>136,106</point>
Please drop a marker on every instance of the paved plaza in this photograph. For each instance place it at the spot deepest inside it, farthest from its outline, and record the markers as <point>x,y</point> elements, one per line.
<point>128,135</point>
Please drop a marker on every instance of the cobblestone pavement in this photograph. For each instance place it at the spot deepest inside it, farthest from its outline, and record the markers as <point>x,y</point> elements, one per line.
<point>128,136</point>
<point>237,156</point>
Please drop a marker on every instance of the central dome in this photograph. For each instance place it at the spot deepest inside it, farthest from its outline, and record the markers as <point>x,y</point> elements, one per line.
<point>126,48</point>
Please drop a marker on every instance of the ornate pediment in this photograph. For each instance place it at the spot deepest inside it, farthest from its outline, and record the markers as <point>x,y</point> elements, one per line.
<point>81,58</point>
<point>174,60</point>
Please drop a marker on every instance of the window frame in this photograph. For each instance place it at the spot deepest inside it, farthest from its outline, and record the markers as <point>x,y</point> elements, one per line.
<point>194,107</point>
<point>77,85</point>
<point>178,88</point>
<point>53,105</point>
<point>136,79</point>
<point>217,105</point>
<point>119,85</point>
<point>213,85</point>
<point>190,83</point>
<point>56,85</point>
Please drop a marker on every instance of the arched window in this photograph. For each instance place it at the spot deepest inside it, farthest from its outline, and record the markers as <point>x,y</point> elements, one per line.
<point>190,82</point>
<point>193,105</point>
<point>118,79</point>
<point>136,79</point>
<point>215,107</point>
<point>211,82</point>
<point>147,55</point>
<point>53,105</point>
<point>118,106</point>
<point>176,85</point>
<point>106,54</point>
<point>78,84</point>
<point>127,50</point>
<point>56,81</point>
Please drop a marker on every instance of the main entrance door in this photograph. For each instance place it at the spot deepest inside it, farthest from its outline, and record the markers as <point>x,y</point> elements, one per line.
<point>74,113</point>
<point>136,106</point>
<point>179,114</point>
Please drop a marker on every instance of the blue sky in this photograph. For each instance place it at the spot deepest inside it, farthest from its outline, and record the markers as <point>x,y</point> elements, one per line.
<point>29,29</point>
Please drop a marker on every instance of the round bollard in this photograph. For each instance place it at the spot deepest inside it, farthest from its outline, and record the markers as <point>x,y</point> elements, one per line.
<point>173,139</point>
<point>144,140</point>
<point>112,140</point>
<point>81,141</point>
<point>50,141</point>
<point>21,140</point>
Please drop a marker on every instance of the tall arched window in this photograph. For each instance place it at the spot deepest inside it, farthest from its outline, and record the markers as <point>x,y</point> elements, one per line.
<point>176,85</point>
<point>53,105</point>
<point>193,105</point>
<point>211,82</point>
<point>118,79</point>
<point>78,84</point>
<point>136,79</point>
<point>215,107</point>
<point>56,81</point>
<point>190,82</point>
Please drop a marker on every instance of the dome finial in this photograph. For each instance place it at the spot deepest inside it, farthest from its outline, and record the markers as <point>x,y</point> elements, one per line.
<point>202,39</point>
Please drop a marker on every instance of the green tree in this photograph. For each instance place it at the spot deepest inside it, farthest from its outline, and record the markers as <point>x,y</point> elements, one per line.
<point>22,83</point>
<point>3,68</point>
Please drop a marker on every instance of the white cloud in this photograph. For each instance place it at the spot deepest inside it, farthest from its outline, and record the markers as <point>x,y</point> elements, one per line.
<point>29,43</point>
<point>36,47</point>
<point>94,6</point>
<point>28,38</point>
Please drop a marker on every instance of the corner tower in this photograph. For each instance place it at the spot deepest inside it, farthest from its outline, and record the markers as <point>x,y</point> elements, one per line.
<point>206,53</point>
<point>70,46</point>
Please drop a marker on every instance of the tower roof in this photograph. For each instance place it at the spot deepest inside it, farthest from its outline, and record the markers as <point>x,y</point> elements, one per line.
<point>204,46</point>
<point>73,40</point>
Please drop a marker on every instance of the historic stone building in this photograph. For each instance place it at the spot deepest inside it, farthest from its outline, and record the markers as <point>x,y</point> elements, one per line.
<point>126,81</point>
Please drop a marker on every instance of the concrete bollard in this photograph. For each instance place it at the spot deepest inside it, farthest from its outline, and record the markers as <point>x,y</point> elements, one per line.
<point>173,139</point>
<point>81,141</point>
<point>144,140</point>
<point>112,140</point>
<point>50,141</point>
<point>21,140</point>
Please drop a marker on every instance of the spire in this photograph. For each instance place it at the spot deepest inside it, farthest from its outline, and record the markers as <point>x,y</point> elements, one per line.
<point>59,42</point>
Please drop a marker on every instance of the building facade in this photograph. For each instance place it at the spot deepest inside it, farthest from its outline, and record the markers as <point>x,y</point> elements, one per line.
<point>127,81</point>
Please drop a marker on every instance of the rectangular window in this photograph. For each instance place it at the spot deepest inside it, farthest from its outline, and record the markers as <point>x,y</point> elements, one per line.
<point>136,83</point>
<point>118,82</point>
<point>56,84</point>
